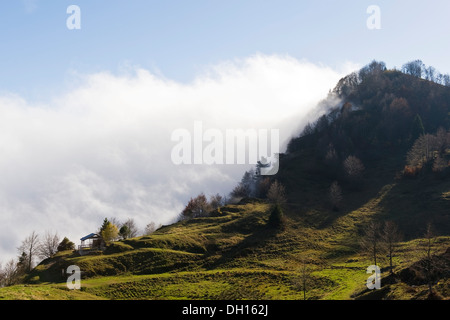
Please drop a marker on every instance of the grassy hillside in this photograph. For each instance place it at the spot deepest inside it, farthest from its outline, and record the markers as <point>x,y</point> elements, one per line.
<point>235,254</point>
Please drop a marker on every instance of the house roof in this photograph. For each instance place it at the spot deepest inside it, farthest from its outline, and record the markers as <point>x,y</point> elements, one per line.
<point>90,236</point>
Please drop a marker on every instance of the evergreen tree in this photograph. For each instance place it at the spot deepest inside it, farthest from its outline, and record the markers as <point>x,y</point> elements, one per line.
<point>124,232</point>
<point>276,218</point>
<point>23,265</point>
<point>66,244</point>
<point>104,225</point>
<point>417,128</point>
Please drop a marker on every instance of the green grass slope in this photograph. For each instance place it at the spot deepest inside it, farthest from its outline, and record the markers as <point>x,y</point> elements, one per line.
<point>232,255</point>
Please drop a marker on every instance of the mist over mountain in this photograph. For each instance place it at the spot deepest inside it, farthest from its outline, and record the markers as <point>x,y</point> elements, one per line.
<point>102,148</point>
<point>379,116</point>
<point>371,167</point>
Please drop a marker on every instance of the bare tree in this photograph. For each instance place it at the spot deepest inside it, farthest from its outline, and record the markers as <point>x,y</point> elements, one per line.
<point>414,68</point>
<point>9,274</point>
<point>442,141</point>
<point>446,80</point>
<point>246,187</point>
<point>391,236</point>
<point>2,276</point>
<point>48,246</point>
<point>196,207</point>
<point>335,195</point>
<point>304,279</point>
<point>240,191</point>
<point>216,201</point>
<point>354,168</point>
<point>370,242</point>
<point>132,230</point>
<point>430,73</point>
<point>277,193</point>
<point>149,228</point>
<point>421,151</point>
<point>427,262</point>
<point>430,147</point>
<point>30,246</point>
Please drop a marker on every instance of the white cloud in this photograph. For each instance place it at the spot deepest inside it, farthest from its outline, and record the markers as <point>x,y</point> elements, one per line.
<point>102,149</point>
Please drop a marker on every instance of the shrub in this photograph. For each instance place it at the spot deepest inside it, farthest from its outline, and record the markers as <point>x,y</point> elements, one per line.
<point>117,247</point>
<point>196,207</point>
<point>66,244</point>
<point>411,171</point>
<point>276,218</point>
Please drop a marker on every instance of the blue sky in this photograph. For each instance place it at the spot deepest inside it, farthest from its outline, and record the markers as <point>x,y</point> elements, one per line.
<point>178,39</point>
